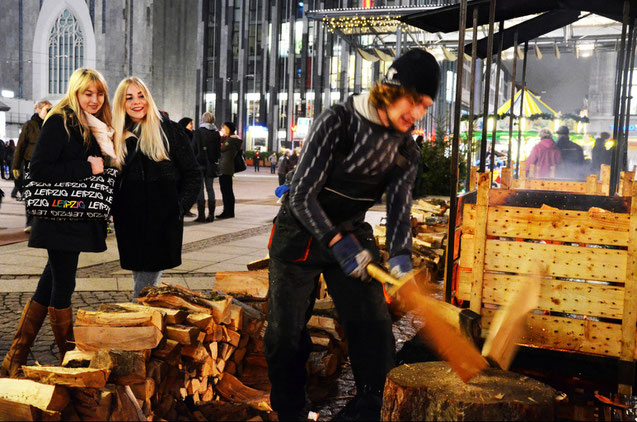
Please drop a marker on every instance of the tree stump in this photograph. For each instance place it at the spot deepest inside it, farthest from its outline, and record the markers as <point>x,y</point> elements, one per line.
<point>432,391</point>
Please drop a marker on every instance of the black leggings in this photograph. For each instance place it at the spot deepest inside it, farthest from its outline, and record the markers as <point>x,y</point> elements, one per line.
<point>225,183</point>
<point>57,282</point>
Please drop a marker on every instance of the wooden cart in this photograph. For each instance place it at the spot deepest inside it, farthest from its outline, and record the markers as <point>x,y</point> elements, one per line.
<point>588,244</point>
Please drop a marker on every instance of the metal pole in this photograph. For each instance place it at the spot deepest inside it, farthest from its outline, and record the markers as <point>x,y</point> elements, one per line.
<point>472,95</point>
<point>517,160</point>
<point>453,185</point>
<point>511,111</point>
<point>487,89</point>
<point>618,93</point>
<point>623,130</point>
<point>630,97</point>
<point>496,98</point>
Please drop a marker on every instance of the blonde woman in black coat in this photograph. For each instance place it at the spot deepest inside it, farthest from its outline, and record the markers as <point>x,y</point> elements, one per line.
<point>160,181</point>
<point>66,151</point>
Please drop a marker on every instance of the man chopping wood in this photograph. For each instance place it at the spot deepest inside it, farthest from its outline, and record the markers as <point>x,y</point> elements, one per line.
<point>355,152</point>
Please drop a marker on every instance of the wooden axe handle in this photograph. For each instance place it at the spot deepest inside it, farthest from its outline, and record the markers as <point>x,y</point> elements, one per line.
<point>452,346</point>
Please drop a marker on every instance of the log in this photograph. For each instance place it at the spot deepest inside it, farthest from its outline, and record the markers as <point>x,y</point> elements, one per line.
<point>200,320</point>
<point>259,264</point>
<point>92,404</point>
<point>236,317</point>
<point>145,390</point>
<point>329,325</point>
<point>432,391</point>
<point>182,334</point>
<point>70,377</point>
<point>233,390</point>
<point>171,316</point>
<point>117,338</point>
<point>226,351</point>
<point>252,285</point>
<point>14,411</point>
<point>231,336</point>
<point>196,352</point>
<point>126,367</point>
<point>42,396</point>
<point>77,359</point>
<point>169,352</point>
<point>121,318</point>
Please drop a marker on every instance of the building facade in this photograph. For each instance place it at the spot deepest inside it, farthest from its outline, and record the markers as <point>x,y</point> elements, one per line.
<point>44,41</point>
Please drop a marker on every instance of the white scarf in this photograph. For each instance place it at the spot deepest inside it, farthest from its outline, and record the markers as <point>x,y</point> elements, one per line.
<point>102,133</point>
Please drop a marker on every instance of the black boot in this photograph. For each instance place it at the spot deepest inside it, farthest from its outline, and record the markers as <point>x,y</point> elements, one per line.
<point>363,407</point>
<point>201,211</point>
<point>211,211</point>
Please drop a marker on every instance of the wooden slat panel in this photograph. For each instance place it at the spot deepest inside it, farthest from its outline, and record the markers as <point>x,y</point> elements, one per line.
<point>562,261</point>
<point>469,218</point>
<point>630,298</point>
<point>560,186</point>
<point>466,251</point>
<point>556,295</point>
<point>604,228</point>
<point>479,241</point>
<point>577,335</point>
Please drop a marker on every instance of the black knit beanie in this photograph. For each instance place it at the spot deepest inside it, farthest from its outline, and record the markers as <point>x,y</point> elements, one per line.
<point>416,70</point>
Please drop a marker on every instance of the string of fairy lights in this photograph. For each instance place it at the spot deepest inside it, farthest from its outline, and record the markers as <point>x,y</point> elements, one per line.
<point>357,25</point>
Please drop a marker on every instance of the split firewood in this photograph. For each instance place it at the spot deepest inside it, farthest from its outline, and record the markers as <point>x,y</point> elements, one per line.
<point>239,354</point>
<point>259,264</point>
<point>36,394</point>
<point>93,404</point>
<point>171,316</point>
<point>126,367</point>
<point>144,390</point>
<point>182,334</point>
<point>509,323</point>
<point>322,339</point>
<point>236,317</point>
<point>251,285</point>
<point>231,336</point>
<point>327,324</point>
<point>117,316</point>
<point>78,358</point>
<point>196,352</point>
<point>169,352</point>
<point>323,363</point>
<point>226,351</point>
<point>70,377</point>
<point>120,338</point>
<point>234,390</point>
<point>200,320</point>
<point>180,297</point>
<point>14,411</point>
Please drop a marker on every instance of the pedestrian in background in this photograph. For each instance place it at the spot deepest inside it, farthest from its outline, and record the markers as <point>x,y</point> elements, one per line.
<point>600,155</point>
<point>207,144</point>
<point>66,151</point>
<point>4,169</point>
<point>284,167</point>
<point>9,152</point>
<point>572,157</point>
<point>257,161</point>
<point>26,144</point>
<point>273,160</point>
<point>160,181</point>
<point>187,124</point>
<point>294,159</point>
<point>545,154</point>
<point>230,147</point>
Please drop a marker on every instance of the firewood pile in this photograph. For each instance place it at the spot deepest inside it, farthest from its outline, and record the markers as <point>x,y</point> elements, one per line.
<point>429,222</point>
<point>176,355</point>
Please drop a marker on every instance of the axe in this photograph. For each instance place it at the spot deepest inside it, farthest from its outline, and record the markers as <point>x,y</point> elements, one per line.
<point>448,342</point>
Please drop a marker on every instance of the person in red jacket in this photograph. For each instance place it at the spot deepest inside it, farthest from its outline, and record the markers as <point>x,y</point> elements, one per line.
<point>545,154</point>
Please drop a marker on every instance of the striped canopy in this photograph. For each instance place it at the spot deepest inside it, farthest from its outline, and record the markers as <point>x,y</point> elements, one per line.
<point>532,105</point>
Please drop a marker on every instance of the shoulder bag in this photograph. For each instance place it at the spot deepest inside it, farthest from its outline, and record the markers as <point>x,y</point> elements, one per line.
<point>86,199</point>
<point>239,162</point>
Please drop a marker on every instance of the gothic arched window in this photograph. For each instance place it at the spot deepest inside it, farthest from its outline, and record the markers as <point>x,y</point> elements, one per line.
<point>66,51</point>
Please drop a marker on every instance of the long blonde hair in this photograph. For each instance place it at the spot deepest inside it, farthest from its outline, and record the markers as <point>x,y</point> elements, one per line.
<point>152,139</point>
<point>79,82</point>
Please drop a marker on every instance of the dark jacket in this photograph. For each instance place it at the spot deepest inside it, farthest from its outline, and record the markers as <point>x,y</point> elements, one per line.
<point>206,146</point>
<point>62,157</point>
<point>293,161</point>
<point>229,148</point>
<point>284,165</point>
<point>600,155</point>
<point>572,165</point>
<point>26,141</point>
<point>150,201</point>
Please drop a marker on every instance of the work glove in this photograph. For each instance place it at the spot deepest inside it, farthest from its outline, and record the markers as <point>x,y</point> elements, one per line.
<point>400,265</point>
<point>16,174</point>
<point>352,258</point>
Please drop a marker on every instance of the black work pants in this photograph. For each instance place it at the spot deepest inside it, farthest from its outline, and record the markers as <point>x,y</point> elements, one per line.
<point>362,312</point>
<point>57,281</point>
<point>225,184</point>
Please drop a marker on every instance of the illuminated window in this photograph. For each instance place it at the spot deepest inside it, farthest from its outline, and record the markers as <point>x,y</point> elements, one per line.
<point>66,51</point>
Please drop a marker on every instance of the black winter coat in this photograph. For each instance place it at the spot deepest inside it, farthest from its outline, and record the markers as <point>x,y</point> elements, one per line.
<point>206,144</point>
<point>26,142</point>
<point>62,157</point>
<point>150,201</point>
